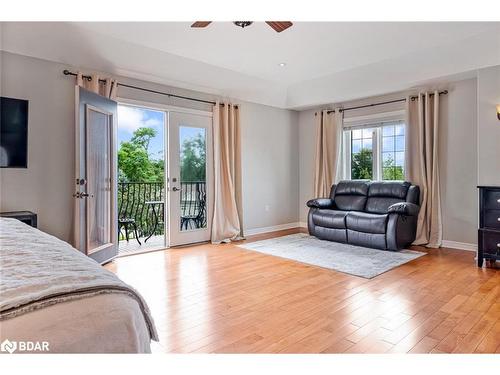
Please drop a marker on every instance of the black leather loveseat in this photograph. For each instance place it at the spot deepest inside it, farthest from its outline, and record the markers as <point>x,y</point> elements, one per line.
<point>381,215</point>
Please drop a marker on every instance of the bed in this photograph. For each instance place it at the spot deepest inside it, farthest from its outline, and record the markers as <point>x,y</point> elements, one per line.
<point>50,292</point>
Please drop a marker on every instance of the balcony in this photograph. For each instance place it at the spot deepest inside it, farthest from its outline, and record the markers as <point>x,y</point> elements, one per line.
<point>141,208</point>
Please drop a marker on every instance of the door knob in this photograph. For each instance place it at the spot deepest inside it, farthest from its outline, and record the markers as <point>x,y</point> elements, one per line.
<point>175,188</point>
<point>82,195</point>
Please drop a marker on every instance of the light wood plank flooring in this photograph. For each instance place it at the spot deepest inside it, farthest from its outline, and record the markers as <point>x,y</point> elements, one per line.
<point>224,299</point>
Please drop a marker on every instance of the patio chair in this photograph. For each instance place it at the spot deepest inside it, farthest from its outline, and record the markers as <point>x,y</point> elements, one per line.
<point>198,218</point>
<point>125,223</point>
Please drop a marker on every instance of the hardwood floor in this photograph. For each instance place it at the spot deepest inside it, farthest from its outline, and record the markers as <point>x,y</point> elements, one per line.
<point>224,299</point>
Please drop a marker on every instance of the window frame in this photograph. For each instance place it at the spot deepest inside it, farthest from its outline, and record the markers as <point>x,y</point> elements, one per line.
<point>377,150</point>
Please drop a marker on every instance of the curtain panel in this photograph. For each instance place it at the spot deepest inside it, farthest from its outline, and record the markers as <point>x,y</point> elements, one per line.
<point>328,167</point>
<point>227,223</point>
<point>107,88</point>
<point>422,164</point>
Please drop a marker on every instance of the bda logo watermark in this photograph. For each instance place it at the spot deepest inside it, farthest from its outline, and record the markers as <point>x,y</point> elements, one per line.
<point>24,346</point>
<point>8,346</point>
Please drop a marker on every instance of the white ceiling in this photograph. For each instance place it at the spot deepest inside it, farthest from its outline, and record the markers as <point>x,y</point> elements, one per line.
<point>325,62</point>
<point>310,49</point>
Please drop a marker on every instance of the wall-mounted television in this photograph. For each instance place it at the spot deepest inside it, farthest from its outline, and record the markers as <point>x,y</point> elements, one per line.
<point>13,133</point>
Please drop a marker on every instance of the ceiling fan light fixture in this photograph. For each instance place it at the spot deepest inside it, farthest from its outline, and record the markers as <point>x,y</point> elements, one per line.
<point>243,24</point>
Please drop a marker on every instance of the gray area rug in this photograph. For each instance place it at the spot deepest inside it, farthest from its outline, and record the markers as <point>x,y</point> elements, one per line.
<point>354,260</point>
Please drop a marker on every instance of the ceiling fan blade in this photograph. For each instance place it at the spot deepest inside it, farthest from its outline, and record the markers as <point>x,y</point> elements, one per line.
<point>279,26</point>
<point>201,23</point>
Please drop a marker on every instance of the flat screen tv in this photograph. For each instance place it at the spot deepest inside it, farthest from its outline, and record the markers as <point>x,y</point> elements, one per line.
<point>13,133</point>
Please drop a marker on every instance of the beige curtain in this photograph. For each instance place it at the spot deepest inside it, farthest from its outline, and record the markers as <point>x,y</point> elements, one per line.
<point>422,164</point>
<point>227,221</point>
<point>327,169</point>
<point>106,88</point>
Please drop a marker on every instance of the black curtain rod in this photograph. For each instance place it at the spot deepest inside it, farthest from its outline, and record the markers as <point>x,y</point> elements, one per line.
<point>89,78</point>
<point>382,103</point>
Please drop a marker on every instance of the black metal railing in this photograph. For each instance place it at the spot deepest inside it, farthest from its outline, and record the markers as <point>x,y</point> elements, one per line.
<point>132,198</point>
<point>144,204</point>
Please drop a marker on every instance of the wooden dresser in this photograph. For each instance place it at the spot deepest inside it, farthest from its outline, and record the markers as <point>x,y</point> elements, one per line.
<point>489,224</point>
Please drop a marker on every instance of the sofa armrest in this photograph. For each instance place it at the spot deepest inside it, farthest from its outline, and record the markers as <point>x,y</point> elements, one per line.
<point>404,208</point>
<point>320,203</point>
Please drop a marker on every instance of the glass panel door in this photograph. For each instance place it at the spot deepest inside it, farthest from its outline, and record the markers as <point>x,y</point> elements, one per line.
<point>190,178</point>
<point>193,166</point>
<point>99,154</point>
<point>95,219</point>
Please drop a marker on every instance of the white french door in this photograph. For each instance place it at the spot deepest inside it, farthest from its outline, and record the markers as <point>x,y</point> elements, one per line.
<point>190,178</point>
<point>96,217</point>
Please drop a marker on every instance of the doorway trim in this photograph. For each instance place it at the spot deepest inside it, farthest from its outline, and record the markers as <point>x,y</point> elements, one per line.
<point>167,109</point>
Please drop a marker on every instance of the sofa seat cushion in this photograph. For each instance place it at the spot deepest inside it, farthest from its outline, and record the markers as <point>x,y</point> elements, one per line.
<point>329,218</point>
<point>366,222</point>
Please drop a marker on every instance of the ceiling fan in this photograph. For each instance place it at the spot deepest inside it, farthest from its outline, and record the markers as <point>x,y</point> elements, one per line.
<point>278,26</point>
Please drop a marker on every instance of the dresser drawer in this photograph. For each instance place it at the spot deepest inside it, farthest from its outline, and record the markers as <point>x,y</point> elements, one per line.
<point>491,242</point>
<point>491,199</point>
<point>491,219</point>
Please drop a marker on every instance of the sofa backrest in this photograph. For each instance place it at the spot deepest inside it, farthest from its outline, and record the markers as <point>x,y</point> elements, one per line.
<point>413,195</point>
<point>385,193</point>
<point>350,195</point>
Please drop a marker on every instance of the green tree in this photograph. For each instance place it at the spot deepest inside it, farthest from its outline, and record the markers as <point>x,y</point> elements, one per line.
<point>390,171</point>
<point>193,159</point>
<point>142,136</point>
<point>362,165</point>
<point>134,161</point>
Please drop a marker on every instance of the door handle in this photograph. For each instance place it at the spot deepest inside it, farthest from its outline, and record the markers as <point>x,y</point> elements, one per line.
<point>83,195</point>
<point>175,188</point>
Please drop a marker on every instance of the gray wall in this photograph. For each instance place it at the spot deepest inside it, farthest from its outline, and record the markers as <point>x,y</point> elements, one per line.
<point>269,165</point>
<point>307,149</point>
<point>269,148</point>
<point>458,160</point>
<point>46,186</point>
<point>488,97</point>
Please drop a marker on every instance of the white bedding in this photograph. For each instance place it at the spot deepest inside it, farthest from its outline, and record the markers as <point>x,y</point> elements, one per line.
<point>51,292</point>
<point>108,323</point>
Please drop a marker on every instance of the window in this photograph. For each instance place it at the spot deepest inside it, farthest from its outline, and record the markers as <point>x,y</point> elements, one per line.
<point>393,152</point>
<point>375,152</point>
<point>362,154</point>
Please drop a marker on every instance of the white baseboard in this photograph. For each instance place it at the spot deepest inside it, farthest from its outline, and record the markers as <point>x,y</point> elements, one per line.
<point>459,245</point>
<point>274,228</point>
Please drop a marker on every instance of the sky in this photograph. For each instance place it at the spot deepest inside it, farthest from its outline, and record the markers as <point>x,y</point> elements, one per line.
<point>132,118</point>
